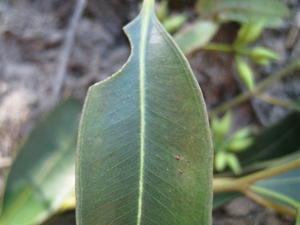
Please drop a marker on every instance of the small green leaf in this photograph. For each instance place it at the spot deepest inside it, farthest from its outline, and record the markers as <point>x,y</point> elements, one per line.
<point>220,161</point>
<point>135,125</point>
<point>43,173</point>
<point>262,55</point>
<point>221,127</point>
<point>242,133</point>
<point>233,163</point>
<point>245,72</point>
<point>240,140</point>
<point>248,33</point>
<point>239,144</point>
<point>195,35</point>
<point>174,22</point>
<point>163,10</point>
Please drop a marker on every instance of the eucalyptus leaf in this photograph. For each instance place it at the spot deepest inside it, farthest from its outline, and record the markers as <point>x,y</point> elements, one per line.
<point>43,173</point>
<point>144,149</point>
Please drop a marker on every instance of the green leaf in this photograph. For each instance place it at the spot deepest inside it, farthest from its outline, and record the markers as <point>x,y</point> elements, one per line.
<point>233,163</point>
<point>240,140</point>
<point>242,133</point>
<point>273,142</point>
<point>220,161</point>
<point>248,33</point>
<point>286,184</point>
<point>239,145</point>
<point>144,150</point>
<point>174,22</point>
<point>196,35</point>
<point>221,127</point>
<point>43,172</point>
<point>280,191</point>
<point>262,55</point>
<point>245,72</point>
<point>163,10</point>
<point>271,12</point>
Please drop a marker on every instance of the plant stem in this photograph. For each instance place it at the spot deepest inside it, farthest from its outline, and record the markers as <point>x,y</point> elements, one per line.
<point>218,47</point>
<point>276,101</point>
<point>226,48</point>
<point>242,184</point>
<point>259,87</point>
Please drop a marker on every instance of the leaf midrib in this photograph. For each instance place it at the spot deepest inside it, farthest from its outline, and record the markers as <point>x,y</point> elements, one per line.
<point>147,8</point>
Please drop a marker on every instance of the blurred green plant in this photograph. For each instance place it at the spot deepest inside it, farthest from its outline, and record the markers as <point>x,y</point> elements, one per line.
<point>227,145</point>
<point>195,35</point>
<point>248,33</point>
<point>270,149</point>
<point>254,16</point>
<point>269,12</point>
<point>42,175</point>
<point>275,187</point>
<point>171,22</point>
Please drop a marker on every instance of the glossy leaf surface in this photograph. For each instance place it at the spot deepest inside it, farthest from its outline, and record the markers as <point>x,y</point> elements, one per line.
<point>43,172</point>
<point>144,151</point>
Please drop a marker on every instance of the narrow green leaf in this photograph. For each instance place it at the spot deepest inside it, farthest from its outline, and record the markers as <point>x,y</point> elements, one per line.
<point>221,127</point>
<point>281,189</point>
<point>43,172</point>
<point>240,140</point>
<point>242,133</point>
<point>163,10</point>
<point>239,145</point>
<point>233,163</point>
<point>195,35</point>
<point>144,150</point>
<point>262,55</point>
<point>245,72</point>
<point>248,33</point>
<point>220,161</point>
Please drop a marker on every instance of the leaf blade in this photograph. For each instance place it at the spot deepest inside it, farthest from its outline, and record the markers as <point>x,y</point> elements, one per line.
<point>43,172</point>
<point>139,127</point>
